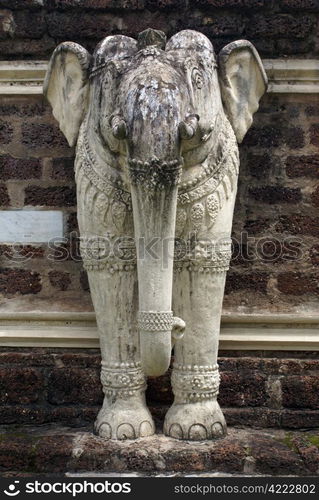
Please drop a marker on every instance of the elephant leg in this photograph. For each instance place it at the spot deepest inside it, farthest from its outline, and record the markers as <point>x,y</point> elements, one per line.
<point>124,414</point>
<point>195,413</point>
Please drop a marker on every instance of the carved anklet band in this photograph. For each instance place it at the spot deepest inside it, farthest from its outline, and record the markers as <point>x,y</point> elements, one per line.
<point>193,383</point>
<point>122,379</point>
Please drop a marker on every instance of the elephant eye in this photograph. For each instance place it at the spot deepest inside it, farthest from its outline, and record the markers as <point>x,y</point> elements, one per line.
<point>197,78</point>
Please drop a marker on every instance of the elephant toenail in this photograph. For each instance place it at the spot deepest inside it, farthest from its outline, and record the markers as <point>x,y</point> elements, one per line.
<point>146,429</point>
<point>125,431</point>
<point>105,431</point>
<point>197,432</point>
<point>217,430</point>
<point>176,431</point>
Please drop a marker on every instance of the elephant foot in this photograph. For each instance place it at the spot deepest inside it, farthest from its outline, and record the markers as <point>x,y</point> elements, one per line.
<point>195,421</point>
<point>124,420</point>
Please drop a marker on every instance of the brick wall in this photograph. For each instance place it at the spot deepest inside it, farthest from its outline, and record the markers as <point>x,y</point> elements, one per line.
<point>32,28</point>
<point>265,389</point>
<point>36,172</point>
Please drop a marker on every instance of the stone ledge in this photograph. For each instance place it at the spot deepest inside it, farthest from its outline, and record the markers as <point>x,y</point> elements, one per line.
<point>244,451</point>
<point>285,76</point>
<point>282,332</point>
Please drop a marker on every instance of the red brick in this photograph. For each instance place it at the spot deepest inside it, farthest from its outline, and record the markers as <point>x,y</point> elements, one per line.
<point>96,4</point>
<point>20,385</point>
<point>4,196</point>
<point>16,168</point>
<point>7,25</point>
<point>280,25</point>
<point>28,251</point>
<point>315,197</point>
<point>22,108</point>
<point>256,282</point>
<point>220,26</point>
<point>21,281</point>
<point>59,196</point>
<point>275,194</point>
<point>21,48</point>
<point>301,392</point>
<point>29,24</point>
<point>308,452</point>
<point>257,226</point>
<point>314,134</point>
<point>238,389</point>
<point>37,135</point>
<point>314,255</point>
<point>84,282</point>
<point>64,26</point>
<point>74,386</point>
<point>295,283</point>
<point>60,280</point>
<point>268,136</point>
<point>303,166</point>
<point>300,419</point>
<point>165,4</point>
<point>63,168</point>
<point>298,224</point>
<point>27,4</point>
<point>311,5</point>
<point>260,166</point>
<point>72,223</point>
<point>230,3</point>
<point>312,110</point>
<point>134,23</point>
<point>6,132</point>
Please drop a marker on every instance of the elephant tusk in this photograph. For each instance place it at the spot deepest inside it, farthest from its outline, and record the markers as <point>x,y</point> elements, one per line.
<point>119,128</point>
<point>188,127</point>
<point>178,329</point>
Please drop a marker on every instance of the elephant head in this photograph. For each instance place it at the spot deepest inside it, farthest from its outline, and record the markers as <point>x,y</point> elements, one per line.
<point>153,110</point>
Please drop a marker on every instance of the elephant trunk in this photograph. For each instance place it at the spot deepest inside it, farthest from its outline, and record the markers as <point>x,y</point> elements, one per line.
<point>154,198</point>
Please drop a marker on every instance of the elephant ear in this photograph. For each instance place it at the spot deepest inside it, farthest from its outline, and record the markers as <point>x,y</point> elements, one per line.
<point>243,81</point>
<point>66,87</point>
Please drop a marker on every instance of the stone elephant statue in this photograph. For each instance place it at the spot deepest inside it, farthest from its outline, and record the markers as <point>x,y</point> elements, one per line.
<point>156,127</point>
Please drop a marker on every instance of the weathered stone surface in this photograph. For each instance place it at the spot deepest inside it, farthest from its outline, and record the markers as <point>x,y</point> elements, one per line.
<point>274,458</point>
